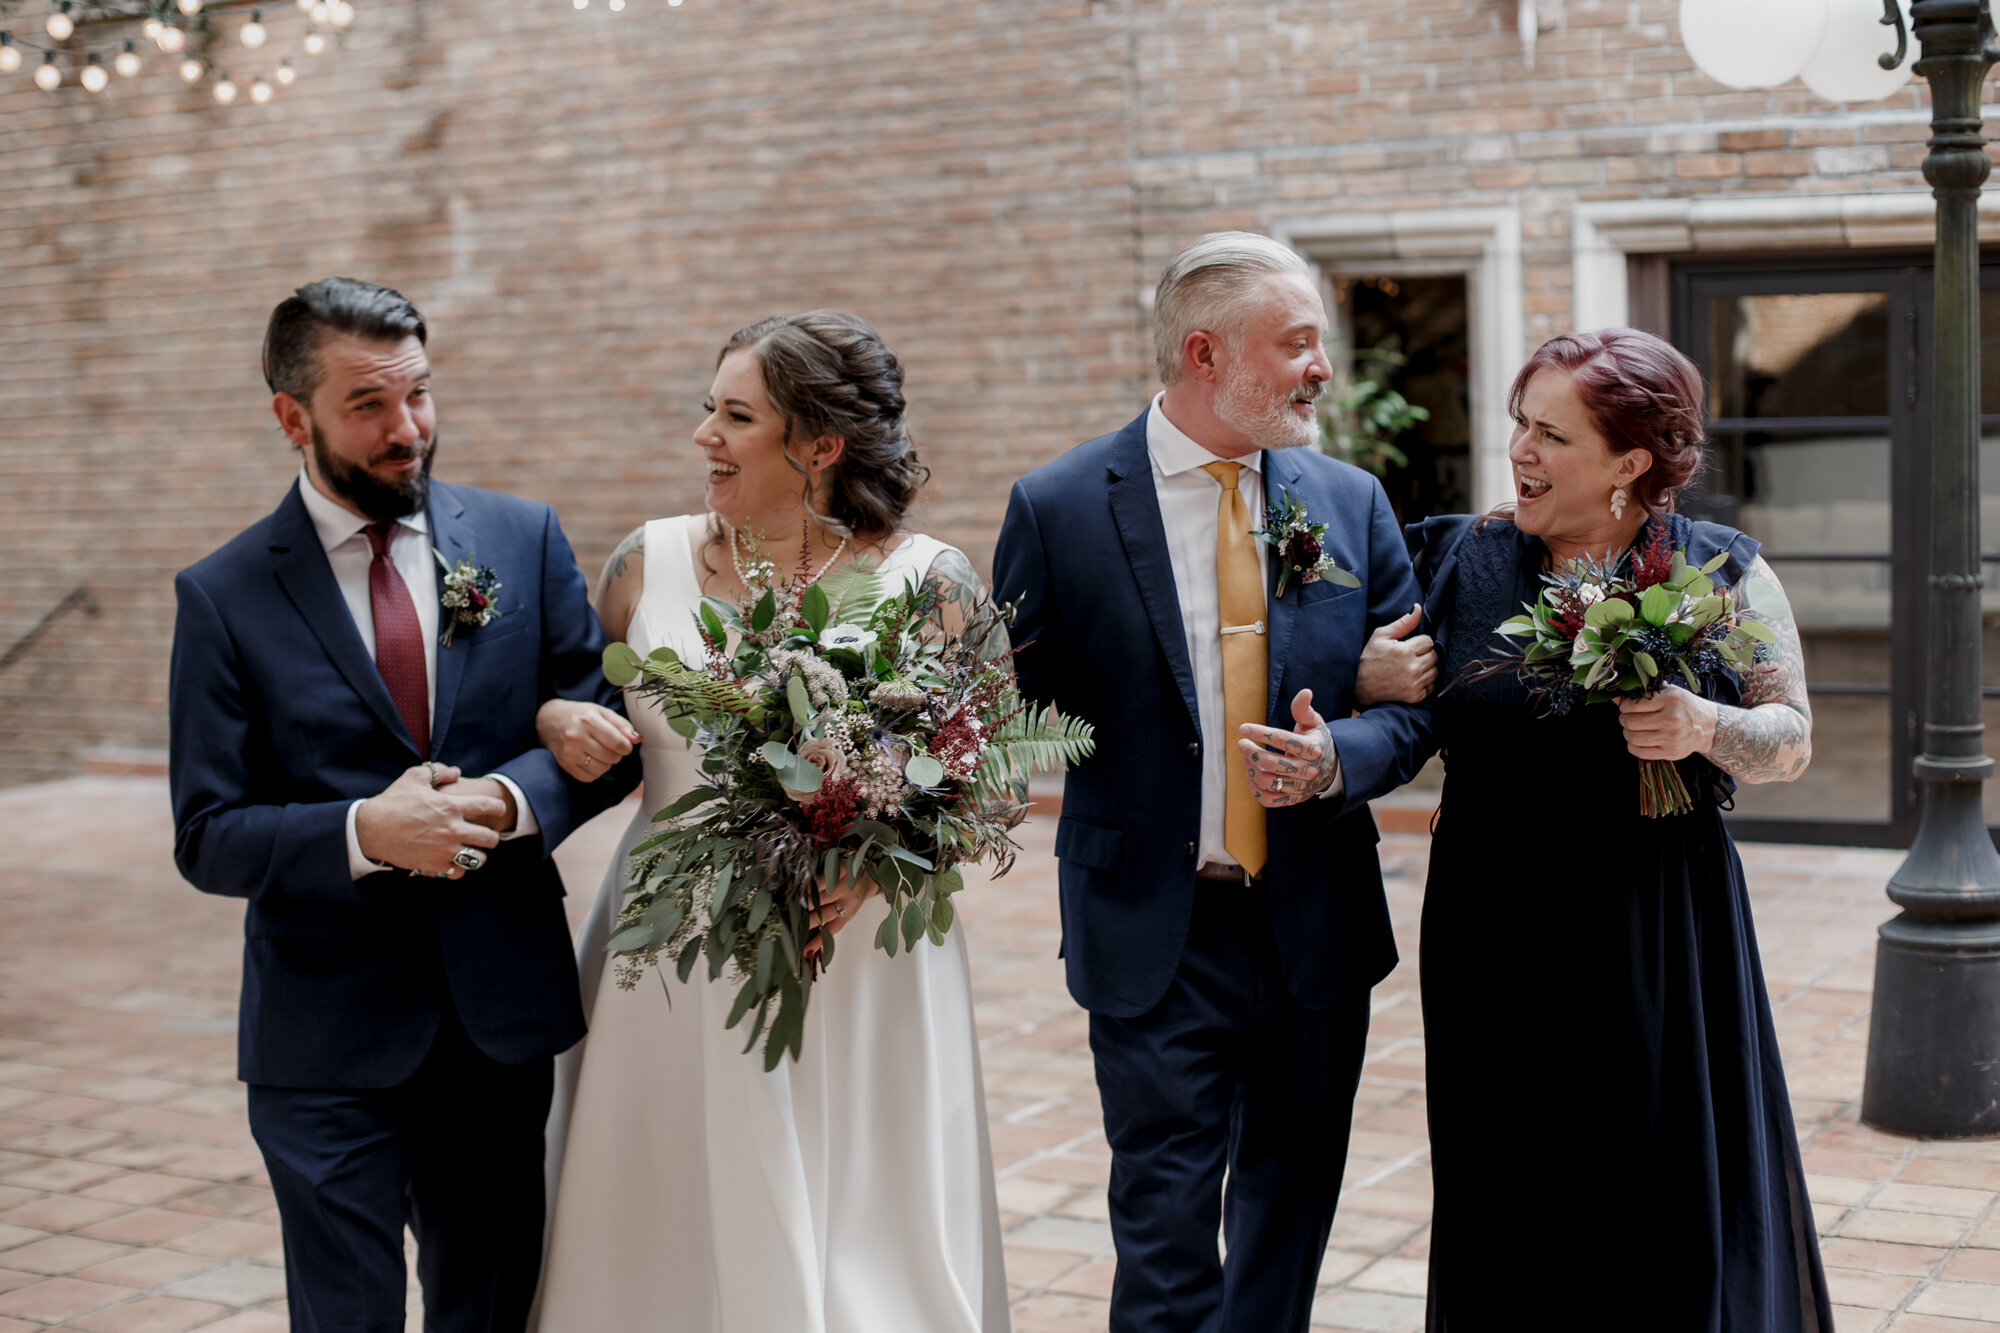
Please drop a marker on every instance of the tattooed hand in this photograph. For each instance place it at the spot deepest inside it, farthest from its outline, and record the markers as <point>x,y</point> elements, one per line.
<point>1287,767</point>
<point>1769,738</point>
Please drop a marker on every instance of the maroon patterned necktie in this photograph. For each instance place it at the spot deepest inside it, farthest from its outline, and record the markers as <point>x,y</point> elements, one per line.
<point>399,639</point>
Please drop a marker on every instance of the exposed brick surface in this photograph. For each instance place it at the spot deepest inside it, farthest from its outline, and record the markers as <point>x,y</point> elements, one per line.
<point>585,204</point>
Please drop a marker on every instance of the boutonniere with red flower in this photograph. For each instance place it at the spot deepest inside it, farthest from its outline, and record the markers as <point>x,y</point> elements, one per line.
<point>466,595</point>
<point>1299,544</point>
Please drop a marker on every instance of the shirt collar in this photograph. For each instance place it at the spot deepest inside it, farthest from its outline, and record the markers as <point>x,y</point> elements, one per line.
<point>1175,452</point>
<point>337,526</point>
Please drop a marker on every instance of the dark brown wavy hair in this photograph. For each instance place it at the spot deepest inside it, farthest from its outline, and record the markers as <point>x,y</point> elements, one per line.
<point>829,373</point>
<point>1641,393</point>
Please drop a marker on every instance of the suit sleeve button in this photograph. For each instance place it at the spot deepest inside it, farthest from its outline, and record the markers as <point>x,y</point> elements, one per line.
<point>1194,748</point>
<point>1191,849</point>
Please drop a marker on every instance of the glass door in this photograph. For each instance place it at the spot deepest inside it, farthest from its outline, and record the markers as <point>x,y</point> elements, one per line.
<point>1813,376</point>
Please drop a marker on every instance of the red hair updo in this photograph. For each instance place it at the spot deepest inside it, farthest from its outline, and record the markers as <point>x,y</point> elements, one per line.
<point>1641,393</point>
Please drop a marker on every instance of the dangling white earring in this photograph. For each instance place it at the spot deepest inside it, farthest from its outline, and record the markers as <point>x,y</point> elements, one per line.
<point>1618,499</point>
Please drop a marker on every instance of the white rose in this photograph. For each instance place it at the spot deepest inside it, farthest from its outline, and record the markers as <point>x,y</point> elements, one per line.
<point>1589,593</point>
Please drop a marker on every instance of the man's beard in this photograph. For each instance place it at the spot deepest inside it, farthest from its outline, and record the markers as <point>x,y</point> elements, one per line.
<point>1248,405</point>
<point>379,500</point>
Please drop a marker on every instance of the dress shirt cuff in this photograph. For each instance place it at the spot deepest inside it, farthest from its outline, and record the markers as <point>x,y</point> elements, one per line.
<point>524,814</point>
<point>357,864</point>
<point>1338,787</point>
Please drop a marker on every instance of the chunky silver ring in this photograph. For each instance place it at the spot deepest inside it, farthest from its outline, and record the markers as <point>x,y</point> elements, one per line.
<point>1277,784</point>
<point>467,859</point>
<point>840,909</point>
<point>432,769</point>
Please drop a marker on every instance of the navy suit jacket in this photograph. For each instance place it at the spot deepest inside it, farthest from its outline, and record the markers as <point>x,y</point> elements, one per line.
<point>280,721</point>
<point>1084,549</point>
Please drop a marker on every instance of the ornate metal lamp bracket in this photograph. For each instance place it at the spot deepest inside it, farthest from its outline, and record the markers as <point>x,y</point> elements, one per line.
<point>1892,17</point>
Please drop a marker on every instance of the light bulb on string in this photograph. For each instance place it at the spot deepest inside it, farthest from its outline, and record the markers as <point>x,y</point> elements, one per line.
<point>225,91</point>
<point>260,91</point>
<point>48,77</point>
<point>321,12</point>
<point>286,74</point>
<point>315,43</point>
<point>190,70</point>
<point>150,29</point>
<point>618,6</point>
<point>10,54</point>
<point>253,33</point>
<point>190,6</point>
<point>60,24</point>
<point>581,4</point>
<point>172,40</point>
<point>341,13</point>
<point>126,62</point>
<point>94,75</point>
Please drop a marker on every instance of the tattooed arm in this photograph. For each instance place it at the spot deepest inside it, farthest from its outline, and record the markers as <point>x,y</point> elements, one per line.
<point>1767,739</point>
<point>959,591</point>
<point>589,739</point>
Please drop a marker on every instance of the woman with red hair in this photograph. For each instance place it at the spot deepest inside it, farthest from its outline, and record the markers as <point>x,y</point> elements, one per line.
<point>1612,1142</point>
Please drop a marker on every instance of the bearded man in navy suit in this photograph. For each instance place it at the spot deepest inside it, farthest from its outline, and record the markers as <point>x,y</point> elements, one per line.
<point>1222,908</point>
<point>354,753</point>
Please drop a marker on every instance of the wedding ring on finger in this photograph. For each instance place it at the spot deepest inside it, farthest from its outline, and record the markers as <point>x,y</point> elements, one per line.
<point>467,859</point>
<point>431,768</point>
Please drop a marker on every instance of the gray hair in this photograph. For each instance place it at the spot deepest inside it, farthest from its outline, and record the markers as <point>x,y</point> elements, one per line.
<point>1205,287</point>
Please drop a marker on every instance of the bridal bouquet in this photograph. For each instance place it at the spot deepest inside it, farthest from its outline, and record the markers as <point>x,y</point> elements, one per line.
<point>844,734</point>
<point>1600,630</point>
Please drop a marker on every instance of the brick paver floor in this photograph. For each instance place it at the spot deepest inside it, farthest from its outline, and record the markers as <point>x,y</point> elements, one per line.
<point>131,1197</point>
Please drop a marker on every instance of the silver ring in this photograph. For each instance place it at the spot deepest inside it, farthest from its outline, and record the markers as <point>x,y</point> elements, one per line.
<point>432,769</point>
<point>840,909</point>
<point>1277,784</point>
<point>467,859</point>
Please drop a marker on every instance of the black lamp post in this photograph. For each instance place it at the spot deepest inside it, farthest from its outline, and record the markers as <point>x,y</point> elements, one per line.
<point>1934,1036</point>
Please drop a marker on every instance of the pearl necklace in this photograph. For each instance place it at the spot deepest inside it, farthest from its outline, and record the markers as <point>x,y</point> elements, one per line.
<point>736,559</point>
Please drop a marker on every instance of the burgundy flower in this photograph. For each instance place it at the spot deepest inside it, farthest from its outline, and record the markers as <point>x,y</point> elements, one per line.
<point>1309,549</point>
<point>479,599</point>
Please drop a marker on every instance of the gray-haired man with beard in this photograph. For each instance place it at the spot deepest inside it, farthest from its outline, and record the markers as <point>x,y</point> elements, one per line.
<point>1222,908</point>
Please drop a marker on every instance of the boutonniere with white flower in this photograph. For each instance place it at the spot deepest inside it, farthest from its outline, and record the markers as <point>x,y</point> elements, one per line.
<point>1299,544</point>
<point>466,594</point>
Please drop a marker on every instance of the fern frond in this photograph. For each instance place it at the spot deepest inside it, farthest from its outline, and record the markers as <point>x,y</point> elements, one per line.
<point>682,692</point>
<point>1026,744</point>
<point>852,593</point>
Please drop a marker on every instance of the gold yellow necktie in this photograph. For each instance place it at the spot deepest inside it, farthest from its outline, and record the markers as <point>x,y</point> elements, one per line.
<point>1239,586</point>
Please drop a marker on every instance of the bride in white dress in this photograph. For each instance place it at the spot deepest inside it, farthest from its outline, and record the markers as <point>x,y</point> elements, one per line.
<point>851,1191</point>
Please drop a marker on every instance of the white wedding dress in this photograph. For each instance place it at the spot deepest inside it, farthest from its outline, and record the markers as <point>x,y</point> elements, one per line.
<point>849,1192</point>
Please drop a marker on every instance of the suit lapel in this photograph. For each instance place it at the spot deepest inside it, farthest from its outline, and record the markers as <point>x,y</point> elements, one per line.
<point>299,563</point>
<point>1280,473</point>
<point>453,539</point>
<point>1135,508</point>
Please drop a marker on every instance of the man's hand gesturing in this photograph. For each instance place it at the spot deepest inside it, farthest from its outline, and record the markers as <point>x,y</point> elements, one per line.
<point>415,825</point>
<point>1287,767</point>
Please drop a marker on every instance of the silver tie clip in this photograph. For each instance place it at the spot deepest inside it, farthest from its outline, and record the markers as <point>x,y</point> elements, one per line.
<point>1256,628</point>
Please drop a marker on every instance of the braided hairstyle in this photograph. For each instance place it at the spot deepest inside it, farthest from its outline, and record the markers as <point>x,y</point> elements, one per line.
<point>1641,393</point>
<point>829,373</point>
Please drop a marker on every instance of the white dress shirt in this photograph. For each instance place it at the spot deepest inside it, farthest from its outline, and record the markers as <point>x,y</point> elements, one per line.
<point>1190,501</point>
<point>345,537</point>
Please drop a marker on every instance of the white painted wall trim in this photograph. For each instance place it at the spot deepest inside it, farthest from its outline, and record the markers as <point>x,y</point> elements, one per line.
<point>1603,235</point>
<point>1483,244</point>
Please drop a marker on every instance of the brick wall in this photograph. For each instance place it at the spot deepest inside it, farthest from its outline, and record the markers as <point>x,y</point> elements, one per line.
<point>585,204</point>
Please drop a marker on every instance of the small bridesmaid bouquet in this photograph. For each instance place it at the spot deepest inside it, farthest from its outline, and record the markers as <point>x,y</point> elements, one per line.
<point>1298,544</point>
<point>1627,626</point>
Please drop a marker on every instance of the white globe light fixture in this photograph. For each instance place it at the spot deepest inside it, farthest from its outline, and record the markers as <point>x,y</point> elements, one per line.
<point>94,75</point>
<point>10,55</point>
<point>126,62</point>
<point>1847,67</point>
<point>172,41</point>
<point>253,34</point>
<point>1752,43</point>
<point>48,76</point>
<point>60,24</point>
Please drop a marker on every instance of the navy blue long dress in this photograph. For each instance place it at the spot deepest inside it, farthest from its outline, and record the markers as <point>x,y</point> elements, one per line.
<point>1612,1143</point>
